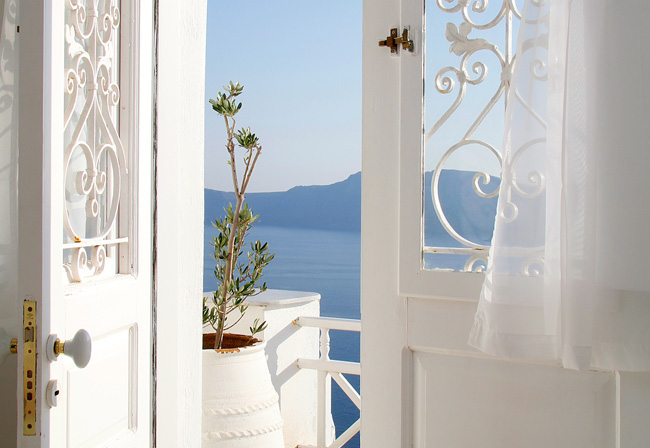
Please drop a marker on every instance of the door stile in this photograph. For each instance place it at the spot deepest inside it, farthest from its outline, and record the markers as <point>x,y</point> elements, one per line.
<point>415,281</point>
<point>40,128</point>
<point>141,122</point>
<point>385,403</point>
<point>411,127</point>
<point>53,309</point>
<point>411,178</point>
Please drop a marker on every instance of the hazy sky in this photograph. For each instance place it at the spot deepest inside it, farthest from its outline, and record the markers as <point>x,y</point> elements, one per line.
<point>300,64</point>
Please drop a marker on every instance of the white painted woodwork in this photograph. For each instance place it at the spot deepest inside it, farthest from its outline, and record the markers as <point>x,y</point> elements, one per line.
<point>385,415</point>
<point>504,402</point>
<point>108,402</point>
<point>413,279</point>
<point>422,385</point>
<point>121,353</point>
<point>180,104</point>
<point>633,409</point>
<point>462,401</point>
<point>329,370</point>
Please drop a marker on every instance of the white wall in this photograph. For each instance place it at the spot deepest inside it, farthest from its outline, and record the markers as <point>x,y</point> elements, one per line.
<point>9,304</point>
<point>179,269</point>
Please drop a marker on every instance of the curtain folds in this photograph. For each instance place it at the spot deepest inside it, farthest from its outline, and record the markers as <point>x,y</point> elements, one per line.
<point>568,276</point>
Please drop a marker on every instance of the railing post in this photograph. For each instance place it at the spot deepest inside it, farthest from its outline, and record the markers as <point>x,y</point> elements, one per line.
<point>325,435</point>
<point>328,370</point>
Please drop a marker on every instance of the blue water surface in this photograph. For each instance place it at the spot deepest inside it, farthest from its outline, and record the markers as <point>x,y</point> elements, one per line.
<point>319,261</point>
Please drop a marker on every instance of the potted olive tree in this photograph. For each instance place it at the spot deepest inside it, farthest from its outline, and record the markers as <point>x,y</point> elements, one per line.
<point>240,405</point>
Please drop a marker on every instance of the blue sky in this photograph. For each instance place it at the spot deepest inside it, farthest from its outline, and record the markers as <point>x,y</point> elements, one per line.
<point>300,64</point>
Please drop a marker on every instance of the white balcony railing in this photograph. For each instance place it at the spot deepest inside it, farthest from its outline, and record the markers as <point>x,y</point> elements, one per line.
<point>328,369</point>
<point>301,371</point>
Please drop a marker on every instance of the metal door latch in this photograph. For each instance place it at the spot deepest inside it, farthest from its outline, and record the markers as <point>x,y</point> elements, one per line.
<point>393,42</point>
<point>29,367</point>
<point>8,345</point>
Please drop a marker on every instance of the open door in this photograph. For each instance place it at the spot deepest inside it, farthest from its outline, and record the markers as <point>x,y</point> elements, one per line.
<point>422,384</point>
<point>85,223</point>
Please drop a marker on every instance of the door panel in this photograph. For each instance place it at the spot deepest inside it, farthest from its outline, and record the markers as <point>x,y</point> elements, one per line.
<point>506,403</point>
<point>462,402</point>
<point>112,367</point>
<point>111,385</point>
<point>96,205</point>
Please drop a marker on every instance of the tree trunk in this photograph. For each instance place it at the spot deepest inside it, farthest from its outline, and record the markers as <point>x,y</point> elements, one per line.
<point>229,272</point>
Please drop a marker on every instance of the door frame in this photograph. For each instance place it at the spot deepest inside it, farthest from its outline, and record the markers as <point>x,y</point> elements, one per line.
<point>179,30</point>
<point>386,416</point>
<point>391,241</point>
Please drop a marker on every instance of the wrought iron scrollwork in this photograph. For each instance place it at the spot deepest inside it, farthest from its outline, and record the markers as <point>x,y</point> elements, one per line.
<point>472,70</point>
<point>95,167</point>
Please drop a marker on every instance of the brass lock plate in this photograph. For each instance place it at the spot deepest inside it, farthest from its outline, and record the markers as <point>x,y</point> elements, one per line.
<point>29,367</point>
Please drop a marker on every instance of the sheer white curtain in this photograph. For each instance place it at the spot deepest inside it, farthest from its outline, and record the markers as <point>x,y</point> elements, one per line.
<point>568,276</point>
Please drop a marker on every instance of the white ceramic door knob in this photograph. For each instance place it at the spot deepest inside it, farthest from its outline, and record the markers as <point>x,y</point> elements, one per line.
<point>79,348</point>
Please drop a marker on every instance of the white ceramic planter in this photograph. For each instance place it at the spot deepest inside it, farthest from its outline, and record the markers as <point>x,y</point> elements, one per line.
<point>240,405</point>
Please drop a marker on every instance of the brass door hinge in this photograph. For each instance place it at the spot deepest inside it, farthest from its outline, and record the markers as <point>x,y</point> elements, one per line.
<point>394,42</point>
<point>29,368</point>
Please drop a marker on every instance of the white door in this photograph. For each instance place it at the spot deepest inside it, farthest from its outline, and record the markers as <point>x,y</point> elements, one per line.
<point>86,220</point>
<point>422,384</point>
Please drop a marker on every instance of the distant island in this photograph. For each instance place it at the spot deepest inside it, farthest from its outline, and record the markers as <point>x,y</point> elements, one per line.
<point>337,207</point>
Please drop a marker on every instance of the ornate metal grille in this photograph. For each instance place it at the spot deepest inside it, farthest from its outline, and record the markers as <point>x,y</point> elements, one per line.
<point>471,122</point>
<point>95,162</point>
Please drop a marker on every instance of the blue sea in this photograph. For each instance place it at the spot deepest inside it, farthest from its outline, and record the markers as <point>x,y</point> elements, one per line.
<point>318,261</point>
